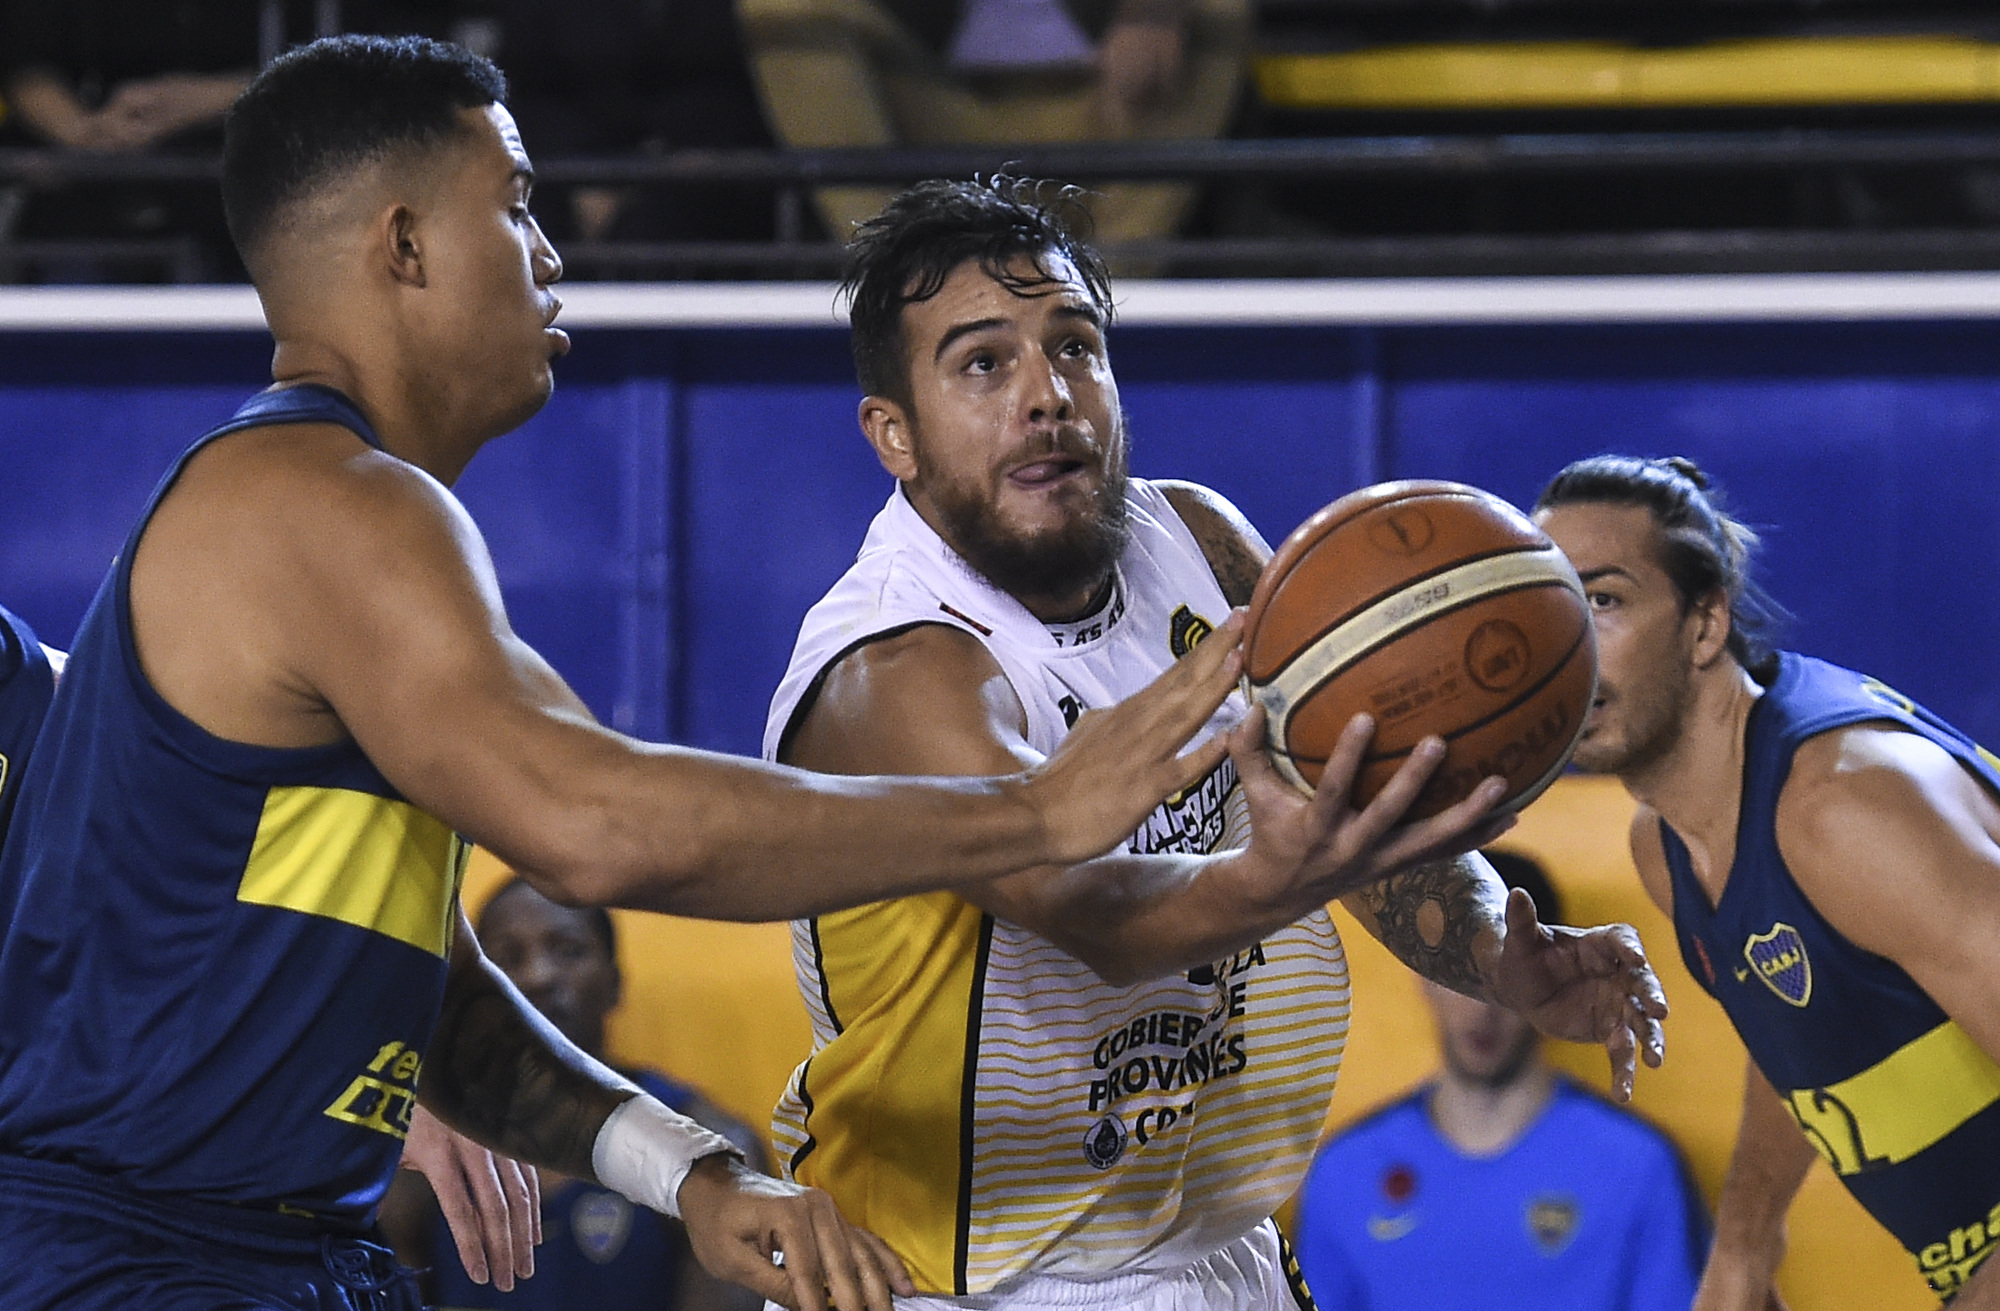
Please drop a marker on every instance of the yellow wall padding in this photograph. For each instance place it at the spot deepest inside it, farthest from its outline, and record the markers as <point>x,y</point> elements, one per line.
<point>1605,75</point>
<point>715,1004</point>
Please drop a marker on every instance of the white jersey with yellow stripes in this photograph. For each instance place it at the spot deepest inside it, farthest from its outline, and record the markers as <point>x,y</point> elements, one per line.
<point>978,1097</point>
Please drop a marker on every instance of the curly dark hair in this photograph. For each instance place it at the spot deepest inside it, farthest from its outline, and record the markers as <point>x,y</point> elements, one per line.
<point>904,254</point>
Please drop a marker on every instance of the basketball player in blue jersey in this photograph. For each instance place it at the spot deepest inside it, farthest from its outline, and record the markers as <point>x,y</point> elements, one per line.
<point>233,956</point>
<point>1830,854</point>
<point>1088,1085</point>
<point>487,1201</point>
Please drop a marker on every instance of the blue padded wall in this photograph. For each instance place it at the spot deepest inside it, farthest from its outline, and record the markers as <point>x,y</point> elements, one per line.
<point>661,527</point>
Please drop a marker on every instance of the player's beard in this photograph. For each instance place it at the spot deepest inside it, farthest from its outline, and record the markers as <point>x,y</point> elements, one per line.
<point>1076,557</point>
<point>1513,1064</point>
<point>1650,723</point>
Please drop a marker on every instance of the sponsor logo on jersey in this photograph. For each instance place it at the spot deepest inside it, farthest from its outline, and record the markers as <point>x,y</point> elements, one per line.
<point>1388,1228</point>
<point>1778,957</point>
<point>602,1222</point>
<point>1105,1142</point>
<point>1950,1261</point>
<point>1552,1220</point>
<point>1194,820</point>
<point>1186,629</point>
<point>384,1094</point>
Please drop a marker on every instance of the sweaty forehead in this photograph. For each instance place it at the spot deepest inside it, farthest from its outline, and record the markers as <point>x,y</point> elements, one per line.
<point>1604,535</point>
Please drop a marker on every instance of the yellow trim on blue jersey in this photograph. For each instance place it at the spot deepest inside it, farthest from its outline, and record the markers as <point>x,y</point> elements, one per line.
<point>1900,1105</point>
<point>365,860</point>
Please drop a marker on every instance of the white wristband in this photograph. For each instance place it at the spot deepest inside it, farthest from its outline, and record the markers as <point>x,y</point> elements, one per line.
<point>645,1150</point>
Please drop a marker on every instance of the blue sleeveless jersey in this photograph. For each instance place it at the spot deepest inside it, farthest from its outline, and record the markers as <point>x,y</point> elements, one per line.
<point>26,686</point>
<point>221,962</point>
<point>1895,1096</point>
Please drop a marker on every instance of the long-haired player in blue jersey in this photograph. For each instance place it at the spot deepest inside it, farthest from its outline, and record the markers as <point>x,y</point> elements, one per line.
<point>233,952</point>
<point>1830,853</point>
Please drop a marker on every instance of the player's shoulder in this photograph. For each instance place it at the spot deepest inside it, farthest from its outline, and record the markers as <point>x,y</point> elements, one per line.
<point>1390,1122</point>
<point>1595,1122</point>
<point>1853,784</point>
<point>1232,546</point>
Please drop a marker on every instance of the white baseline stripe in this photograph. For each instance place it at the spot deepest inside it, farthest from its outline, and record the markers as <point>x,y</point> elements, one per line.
<point>1272,302</point>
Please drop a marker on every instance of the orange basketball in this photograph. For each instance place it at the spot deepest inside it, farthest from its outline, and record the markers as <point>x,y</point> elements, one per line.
<point>1438,609</point>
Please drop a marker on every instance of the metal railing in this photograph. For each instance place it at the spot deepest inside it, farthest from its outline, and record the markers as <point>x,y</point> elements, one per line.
<point>791,175</point>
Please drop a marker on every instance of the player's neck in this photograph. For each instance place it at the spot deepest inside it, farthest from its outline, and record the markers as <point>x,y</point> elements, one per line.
<point>1697,785</point>
<point>1481,1119</point>
<point>407,427</point>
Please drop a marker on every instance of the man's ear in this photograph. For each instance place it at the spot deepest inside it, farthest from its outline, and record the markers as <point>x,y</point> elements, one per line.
<point>400,244</point>
<point>1713,624</point>
<point>886,425</point>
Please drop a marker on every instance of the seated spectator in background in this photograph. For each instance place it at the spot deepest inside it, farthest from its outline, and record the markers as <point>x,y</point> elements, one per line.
<point>932,72</point>
<point>618,76</point>
<point>1500,1184</point>
<point>127,74</point>
<point>121,76</point>
<point>599,1252</point>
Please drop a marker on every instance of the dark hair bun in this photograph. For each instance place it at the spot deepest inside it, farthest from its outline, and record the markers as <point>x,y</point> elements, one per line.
<point>1687,469</point>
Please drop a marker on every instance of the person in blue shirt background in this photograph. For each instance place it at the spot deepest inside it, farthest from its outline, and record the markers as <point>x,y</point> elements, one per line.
<point>1500,1185</point>
<point>598,1251</point>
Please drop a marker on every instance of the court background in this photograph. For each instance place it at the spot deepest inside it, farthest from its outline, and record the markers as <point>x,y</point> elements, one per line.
<point>697,482</point>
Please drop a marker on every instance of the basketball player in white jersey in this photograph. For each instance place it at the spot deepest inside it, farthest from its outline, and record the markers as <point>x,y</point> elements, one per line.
<point>1090,1086</point>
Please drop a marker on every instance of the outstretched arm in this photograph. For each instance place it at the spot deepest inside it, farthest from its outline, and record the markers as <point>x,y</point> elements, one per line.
<point>500,1073</point>
<point>932,700</point>
<point>362,604</point>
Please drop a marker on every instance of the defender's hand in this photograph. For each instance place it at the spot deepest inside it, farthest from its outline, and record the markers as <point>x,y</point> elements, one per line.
<point>492,1204</point>
<point>737,1219</point>
<point>1583,985</point>
<point>1306,851</point>
<point>1116,765</point>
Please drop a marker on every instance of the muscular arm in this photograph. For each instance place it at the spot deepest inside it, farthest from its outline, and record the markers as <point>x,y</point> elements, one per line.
<point>1446,920</point>
<point>932,700</point>
<point>296,588</point>
<point>1898,846</point>
<point>501,1074</point>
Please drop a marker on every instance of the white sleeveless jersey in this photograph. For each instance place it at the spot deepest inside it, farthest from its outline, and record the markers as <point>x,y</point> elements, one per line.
<point>978,1097</point>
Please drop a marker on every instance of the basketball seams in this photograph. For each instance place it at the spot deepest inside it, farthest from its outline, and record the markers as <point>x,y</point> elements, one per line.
<point>1280,694</point>
<point>1555,671</point>
<point>1387,594</point>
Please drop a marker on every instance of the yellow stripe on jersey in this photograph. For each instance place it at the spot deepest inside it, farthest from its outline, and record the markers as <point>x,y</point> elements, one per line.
<point>898,976</point>
<point>1900,1105</point>
<point>365,860</point>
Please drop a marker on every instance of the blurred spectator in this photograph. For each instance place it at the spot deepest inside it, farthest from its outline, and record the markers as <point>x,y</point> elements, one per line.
<point>127,74</point>
<point>598,1250</point>
<point>618,76</point>
<point>122,76</point>
<point>1500,1185</point>
<point>930,72</point>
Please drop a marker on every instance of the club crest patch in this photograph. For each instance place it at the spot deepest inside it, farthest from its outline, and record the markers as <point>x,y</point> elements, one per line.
<point>1186,631</point>
<point>1778,957</point>
<point>1552,1220</point>
<point>1105,1142</point>
<point>601,1222</point>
